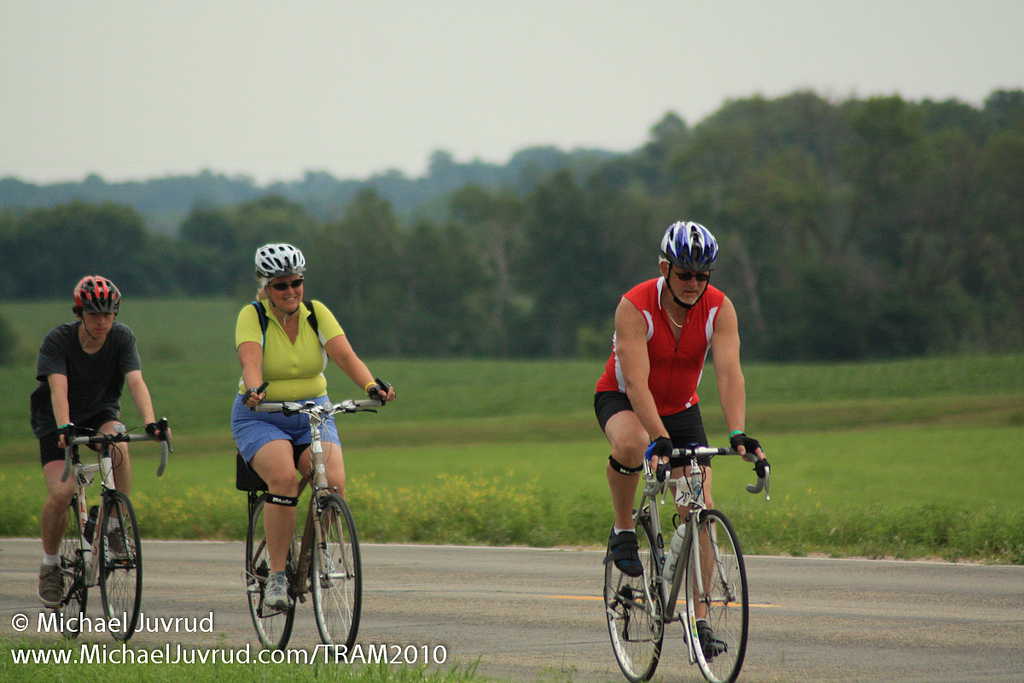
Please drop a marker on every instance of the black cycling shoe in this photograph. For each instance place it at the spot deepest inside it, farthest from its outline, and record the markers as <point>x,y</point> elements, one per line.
<point>623,550</point>
<point>711,645</point>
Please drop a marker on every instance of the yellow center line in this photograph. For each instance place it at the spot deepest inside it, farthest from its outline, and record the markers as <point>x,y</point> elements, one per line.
<point>575,597</point>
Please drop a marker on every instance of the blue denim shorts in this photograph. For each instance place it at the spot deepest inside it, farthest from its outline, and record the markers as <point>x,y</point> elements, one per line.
<point>252,430</point>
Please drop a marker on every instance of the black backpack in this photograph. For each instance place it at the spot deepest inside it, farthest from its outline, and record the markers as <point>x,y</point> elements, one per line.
<point>264,321</point>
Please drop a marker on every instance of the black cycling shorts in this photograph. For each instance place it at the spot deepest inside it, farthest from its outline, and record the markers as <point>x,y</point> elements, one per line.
<point>684,427</point>
<point>49,450</point>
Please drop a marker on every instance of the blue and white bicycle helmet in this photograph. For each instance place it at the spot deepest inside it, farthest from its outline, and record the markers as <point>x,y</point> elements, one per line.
<point>689,245</point>
<point>275,260</point>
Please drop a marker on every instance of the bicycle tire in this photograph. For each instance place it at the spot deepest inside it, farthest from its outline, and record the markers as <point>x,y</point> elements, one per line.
<point>273,627</point>
<point>72,563</point>
<point>634,610</point>
<point>120,564</point>
<point>335,574</point>
<point>725,600</point>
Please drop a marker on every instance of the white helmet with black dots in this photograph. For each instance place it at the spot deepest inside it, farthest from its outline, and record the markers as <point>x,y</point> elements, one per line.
<point>275,260</point>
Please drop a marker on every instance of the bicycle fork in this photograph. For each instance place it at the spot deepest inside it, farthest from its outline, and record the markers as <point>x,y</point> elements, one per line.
<point>707,564</point>
<point>312,536</point>
<point>689,620</point>
<point>690,558</point>
<point>85,475</point>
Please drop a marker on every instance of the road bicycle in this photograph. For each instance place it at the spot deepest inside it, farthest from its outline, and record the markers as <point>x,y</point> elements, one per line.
<point>709,576</point>
<point>101,544</point>
<point>326,562</point>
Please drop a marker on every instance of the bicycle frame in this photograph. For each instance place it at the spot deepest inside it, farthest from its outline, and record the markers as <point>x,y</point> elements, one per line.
<point>110,553</point>
<point>85,475</point>
<point>317,476</point>
<point>688,495</point>
<point>325,561</point>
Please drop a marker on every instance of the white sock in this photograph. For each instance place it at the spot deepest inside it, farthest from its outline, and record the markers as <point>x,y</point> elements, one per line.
<point>50,560</point>
<point>617,530</point>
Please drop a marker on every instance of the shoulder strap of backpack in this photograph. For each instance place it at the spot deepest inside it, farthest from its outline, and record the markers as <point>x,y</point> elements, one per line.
<point>316,330</point>
<point>312,319</point>
<point>261,313</point>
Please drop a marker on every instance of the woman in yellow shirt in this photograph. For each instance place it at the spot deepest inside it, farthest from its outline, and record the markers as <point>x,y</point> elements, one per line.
<point>291,357</point>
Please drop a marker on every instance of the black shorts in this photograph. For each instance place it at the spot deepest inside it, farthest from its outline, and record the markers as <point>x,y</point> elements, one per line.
<point>49,451</point>
<point>684,428</point>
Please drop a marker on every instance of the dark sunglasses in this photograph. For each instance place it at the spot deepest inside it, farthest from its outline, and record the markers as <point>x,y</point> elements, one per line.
<point>294,284</point>
<point>686,276</point>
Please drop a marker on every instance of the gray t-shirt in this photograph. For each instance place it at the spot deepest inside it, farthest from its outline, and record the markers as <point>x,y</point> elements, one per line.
<point>95,380</point>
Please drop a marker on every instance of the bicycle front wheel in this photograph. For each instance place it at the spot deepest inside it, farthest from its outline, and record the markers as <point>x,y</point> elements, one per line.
<point>336,574</point>
<point>632,605</point>
<point>717,594</point>
<point>72,566</point>
<point>120,564</point>
<point>273,627</point>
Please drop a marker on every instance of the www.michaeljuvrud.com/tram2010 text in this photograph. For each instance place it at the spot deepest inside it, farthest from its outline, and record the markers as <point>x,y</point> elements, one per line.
<point>96,653</point>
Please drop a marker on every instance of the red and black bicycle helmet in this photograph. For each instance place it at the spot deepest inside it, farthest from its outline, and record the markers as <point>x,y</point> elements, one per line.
<point>97,294</point>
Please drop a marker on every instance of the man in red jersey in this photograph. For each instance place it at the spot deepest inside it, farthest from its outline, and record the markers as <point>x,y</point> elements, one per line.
<point>646,400</point>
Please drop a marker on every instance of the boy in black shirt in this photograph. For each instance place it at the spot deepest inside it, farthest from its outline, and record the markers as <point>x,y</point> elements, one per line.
<point>82,369</point>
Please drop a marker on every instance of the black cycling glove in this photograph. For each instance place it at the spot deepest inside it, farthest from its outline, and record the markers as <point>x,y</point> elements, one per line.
<point>741,439</point>
<point>659,448</point>
<point>380,391</point>
<point>750,445</point>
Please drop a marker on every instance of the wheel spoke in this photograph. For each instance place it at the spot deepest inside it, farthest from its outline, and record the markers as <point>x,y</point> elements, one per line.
<point>120,564</point>
<point>335,575</point>
<point>72,563</point>
<point>273,627</point>
<point>633,610</point>
<point>723,602</point>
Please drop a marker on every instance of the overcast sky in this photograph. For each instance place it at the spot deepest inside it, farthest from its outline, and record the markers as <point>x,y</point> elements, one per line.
<point>133,89</point>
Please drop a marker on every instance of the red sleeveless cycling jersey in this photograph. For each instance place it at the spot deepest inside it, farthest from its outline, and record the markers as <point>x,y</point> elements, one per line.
<point>676,368</point>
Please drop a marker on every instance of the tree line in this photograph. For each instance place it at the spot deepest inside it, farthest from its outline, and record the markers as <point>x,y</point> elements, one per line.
<point>858,229</point>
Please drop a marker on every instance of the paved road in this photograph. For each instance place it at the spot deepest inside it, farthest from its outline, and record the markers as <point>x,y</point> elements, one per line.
<point>529,614</point>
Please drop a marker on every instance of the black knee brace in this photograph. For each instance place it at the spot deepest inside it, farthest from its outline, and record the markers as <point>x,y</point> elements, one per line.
<point>286,501</point>
<point>622,469</point>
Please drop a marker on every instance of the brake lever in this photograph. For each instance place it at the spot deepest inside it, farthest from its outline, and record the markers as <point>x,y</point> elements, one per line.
<point>763,484</point>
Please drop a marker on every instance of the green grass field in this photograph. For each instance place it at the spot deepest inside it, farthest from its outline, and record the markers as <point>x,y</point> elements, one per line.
<point>913,458</point>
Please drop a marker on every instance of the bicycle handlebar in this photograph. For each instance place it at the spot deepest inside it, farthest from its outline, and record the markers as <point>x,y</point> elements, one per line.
<point>115,438</point>
<point>763,482</point>
<point>324,411</point>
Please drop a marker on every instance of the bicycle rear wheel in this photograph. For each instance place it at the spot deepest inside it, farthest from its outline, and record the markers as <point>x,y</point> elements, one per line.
<point>721,595</point>
<point>633,607</point>
<point>72,565</point>
<point>120,564</point>
<point>273,627</point>
<point>336,574</point>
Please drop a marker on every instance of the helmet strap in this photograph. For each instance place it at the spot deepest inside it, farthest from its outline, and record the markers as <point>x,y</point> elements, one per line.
<point>88,334</point>
<point>676,299</point>
<point>286,315</point>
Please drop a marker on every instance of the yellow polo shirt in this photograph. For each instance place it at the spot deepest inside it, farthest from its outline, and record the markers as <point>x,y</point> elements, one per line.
<point>295,371</point>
